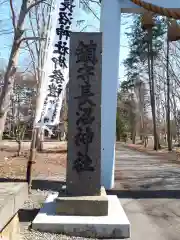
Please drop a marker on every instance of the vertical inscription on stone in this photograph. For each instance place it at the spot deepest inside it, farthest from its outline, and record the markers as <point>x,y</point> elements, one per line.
<point>84,115</point>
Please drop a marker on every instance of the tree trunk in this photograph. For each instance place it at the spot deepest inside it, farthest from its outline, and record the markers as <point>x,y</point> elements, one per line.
<point>145,141</point>
<point>151,84</point>
<point>12,63</point>
<point>8,84</point>
<point>19,147</point>
<point>169,140</point>
<point>40,140</point>
<point>133,133</point>
<point>34,141</point>
<point>141,111</point>
<point>2,124</point>
<point>141,129</point>
<point>31,161</point>
<point>133,137</point>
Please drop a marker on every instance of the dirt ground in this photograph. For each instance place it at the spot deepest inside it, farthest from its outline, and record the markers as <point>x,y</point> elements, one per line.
<point>173,156</point>
<point>50,162</point>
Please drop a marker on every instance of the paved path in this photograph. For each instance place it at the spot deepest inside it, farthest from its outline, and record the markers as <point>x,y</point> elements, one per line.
<point>151,197</point>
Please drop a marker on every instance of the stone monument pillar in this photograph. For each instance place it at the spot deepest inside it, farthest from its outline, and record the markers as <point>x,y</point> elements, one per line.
<point>84,209</point>
<point>84,195</point>
<point>84,115</point>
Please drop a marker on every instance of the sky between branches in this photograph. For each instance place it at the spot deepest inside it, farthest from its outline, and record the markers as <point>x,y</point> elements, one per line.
<point>91,23</point>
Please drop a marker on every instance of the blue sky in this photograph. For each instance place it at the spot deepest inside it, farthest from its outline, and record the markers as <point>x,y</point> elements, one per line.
<point>91,23</point>
<point>6,25</point>
<point>6,39</point>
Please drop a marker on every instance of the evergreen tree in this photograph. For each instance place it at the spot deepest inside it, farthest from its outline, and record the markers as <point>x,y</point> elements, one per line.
<point>144,51</point>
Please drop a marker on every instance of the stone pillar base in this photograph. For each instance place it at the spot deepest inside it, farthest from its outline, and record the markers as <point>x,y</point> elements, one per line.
<point>83,205</point>
<point>113,226</point>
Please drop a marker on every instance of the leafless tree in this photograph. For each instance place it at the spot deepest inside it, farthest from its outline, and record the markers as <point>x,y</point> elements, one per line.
<point>19,37</point>
<point>39,18</point>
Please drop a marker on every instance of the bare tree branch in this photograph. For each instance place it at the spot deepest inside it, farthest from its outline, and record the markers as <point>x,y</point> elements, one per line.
<point>13,15</point>
<point>93,1</point>
<point>89,8</point>
<point>31,38</point>
<point>6,32</point>
<point>2,2</point>
<point>35,4</point>
<point>33,31</point>
<point>32,57</point>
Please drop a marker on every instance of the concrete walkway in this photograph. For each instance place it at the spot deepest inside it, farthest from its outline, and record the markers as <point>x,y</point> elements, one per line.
<point>149,190</point>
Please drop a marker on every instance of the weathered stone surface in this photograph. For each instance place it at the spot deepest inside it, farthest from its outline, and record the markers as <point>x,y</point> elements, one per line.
<point>12,197</point>
<point>83,173</point>
<point>12,230</point>
<point>83,205</point>
<point>113,226</point>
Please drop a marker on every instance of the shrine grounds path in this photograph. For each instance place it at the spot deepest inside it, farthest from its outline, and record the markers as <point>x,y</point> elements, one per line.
<point>149,189</point>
